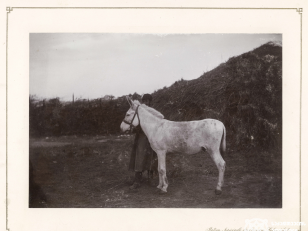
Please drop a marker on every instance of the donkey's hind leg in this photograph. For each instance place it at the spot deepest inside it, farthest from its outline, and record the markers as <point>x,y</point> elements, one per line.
<point>220,164</point>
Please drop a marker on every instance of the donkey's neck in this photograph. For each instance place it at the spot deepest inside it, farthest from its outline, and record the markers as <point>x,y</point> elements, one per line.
<point>148,122</point>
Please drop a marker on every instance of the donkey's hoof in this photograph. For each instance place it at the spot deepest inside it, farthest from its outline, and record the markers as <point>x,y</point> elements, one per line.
<point>218,191</point>
<point>159,187</point>
<point>163,191</point>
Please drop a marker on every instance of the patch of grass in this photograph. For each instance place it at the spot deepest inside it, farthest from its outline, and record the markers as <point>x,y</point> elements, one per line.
<point>91,174</point>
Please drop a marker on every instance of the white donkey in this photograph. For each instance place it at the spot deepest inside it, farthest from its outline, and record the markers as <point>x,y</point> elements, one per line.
<point>165,136</point>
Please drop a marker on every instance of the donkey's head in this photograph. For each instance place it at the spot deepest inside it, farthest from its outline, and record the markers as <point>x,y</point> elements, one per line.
<point>131,118</point>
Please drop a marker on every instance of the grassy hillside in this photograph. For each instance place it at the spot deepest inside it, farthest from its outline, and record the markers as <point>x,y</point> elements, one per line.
<point>245,93</point>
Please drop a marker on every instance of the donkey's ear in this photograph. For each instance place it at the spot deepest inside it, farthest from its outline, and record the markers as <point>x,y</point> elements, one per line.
<point>129,100</point>
<point>133,105</point>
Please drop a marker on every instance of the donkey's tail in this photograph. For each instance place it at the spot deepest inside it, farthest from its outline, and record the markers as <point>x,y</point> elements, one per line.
<point>223,148</point>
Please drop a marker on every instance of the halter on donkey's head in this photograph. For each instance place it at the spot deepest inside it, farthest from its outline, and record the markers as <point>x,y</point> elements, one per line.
<point>136,113</point>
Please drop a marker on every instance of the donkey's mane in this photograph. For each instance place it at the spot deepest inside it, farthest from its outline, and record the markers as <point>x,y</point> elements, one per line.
<point>150,109</point>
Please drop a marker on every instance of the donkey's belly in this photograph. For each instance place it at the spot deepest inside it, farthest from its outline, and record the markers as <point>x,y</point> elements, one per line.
<point>185,149</point>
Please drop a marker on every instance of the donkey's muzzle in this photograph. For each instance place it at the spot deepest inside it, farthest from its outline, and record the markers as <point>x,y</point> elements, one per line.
<point>124,127</point>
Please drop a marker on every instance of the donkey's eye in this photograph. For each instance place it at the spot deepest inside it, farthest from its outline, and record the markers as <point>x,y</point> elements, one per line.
<point>127,114</point>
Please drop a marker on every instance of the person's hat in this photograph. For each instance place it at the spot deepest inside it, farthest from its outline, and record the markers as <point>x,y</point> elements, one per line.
<point>147,97</point>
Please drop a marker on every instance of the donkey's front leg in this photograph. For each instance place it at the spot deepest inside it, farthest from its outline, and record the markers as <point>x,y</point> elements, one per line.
<point>160,183</point>
<point>163,182</point>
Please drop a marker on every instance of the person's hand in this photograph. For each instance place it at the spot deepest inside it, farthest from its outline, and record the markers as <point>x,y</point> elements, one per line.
<point>136,129</point>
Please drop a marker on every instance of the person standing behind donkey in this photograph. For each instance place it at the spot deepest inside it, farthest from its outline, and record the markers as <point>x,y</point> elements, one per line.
<point>142,155</point>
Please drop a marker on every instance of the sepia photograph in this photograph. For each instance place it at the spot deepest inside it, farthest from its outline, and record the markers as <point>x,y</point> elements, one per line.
<point>155,120</point>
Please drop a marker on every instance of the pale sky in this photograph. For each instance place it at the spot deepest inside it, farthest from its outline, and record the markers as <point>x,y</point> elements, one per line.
<point>94,65</point>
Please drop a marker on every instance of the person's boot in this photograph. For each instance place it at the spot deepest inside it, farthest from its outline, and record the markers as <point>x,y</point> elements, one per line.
<point>151,178</point>
<point>137,182</point>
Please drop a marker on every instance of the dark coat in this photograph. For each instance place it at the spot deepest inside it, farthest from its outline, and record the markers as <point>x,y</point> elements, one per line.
<point>142,155</point>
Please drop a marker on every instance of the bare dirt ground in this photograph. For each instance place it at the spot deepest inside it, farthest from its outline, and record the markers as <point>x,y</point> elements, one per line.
<point>91,172</point>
